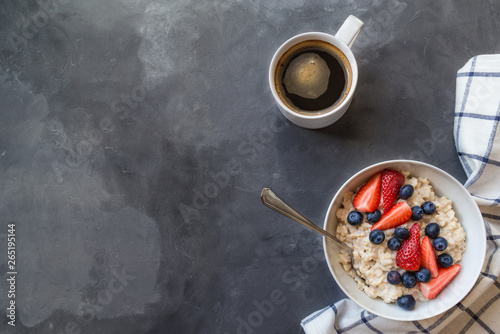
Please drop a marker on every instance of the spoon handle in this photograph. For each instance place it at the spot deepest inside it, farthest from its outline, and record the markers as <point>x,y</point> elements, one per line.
<point>271,200</point>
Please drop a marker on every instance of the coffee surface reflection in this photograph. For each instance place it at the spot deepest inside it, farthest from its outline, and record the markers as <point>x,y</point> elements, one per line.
<point>313,77</point>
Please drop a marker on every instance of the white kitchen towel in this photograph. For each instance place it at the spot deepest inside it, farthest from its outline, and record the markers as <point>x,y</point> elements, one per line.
<point>477,138</point>
<point>477,113</point>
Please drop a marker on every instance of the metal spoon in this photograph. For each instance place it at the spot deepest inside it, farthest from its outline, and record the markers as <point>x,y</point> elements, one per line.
<point>271,200</point>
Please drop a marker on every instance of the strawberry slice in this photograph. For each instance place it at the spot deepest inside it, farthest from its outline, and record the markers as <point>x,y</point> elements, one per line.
<point>429,259</point>
<point>408,256</point>
<point>397,215</point>
<point>432,288</point>
<point>367,198</point>
<point>392,181</point>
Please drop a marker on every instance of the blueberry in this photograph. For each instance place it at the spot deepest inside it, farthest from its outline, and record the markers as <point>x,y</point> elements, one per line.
<point>429,208</point>
<point>401,233</point>
<point>445,260</point>
<point>423,275</point>
<point>432,230</point>
<point>417,213</point>
<point>377,237</point>
<point>393,244</point>
<point>406,191</point>
<point>409,280</point>
<point>394,277</point>
<point>439,244</point>
<point>355,218</point>
<point>374,216</point>
<point>406,302</point>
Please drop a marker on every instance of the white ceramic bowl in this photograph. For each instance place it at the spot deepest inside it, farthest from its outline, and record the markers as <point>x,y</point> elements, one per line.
<point>468,215</point>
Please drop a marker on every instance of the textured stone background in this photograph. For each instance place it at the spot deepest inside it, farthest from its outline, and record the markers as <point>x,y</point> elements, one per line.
<point>136,136</point>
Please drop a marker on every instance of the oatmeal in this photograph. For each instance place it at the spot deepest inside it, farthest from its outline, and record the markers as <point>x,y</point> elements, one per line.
<point>373,261</point>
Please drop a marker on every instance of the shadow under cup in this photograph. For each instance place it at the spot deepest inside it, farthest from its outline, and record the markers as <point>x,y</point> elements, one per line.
<point>313,77</point>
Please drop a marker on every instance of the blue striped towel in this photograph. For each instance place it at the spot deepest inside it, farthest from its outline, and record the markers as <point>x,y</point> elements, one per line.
<point>477,113</point>
<point>477,116</point>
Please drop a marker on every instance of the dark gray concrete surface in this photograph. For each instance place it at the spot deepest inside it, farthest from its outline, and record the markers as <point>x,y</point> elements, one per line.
<point>136,136</point>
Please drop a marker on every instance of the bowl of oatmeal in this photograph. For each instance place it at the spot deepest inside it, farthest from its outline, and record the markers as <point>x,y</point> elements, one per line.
<point>460,223</point>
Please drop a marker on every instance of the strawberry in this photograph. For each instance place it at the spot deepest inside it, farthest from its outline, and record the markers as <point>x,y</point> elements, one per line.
<point>397,215</point>
<point>392,181</point>
<point>432,288</point>
<point>367,198</point>
<point>428,259</point>
<point>408,256</point>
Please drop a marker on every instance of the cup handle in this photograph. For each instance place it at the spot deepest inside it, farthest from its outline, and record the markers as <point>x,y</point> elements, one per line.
<point>349,31</point>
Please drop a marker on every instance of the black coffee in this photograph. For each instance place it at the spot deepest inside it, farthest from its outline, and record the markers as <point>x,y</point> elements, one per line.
<point>312,77</point>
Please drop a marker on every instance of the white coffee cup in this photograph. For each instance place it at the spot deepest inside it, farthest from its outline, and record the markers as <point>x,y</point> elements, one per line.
<point>343,41</point>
